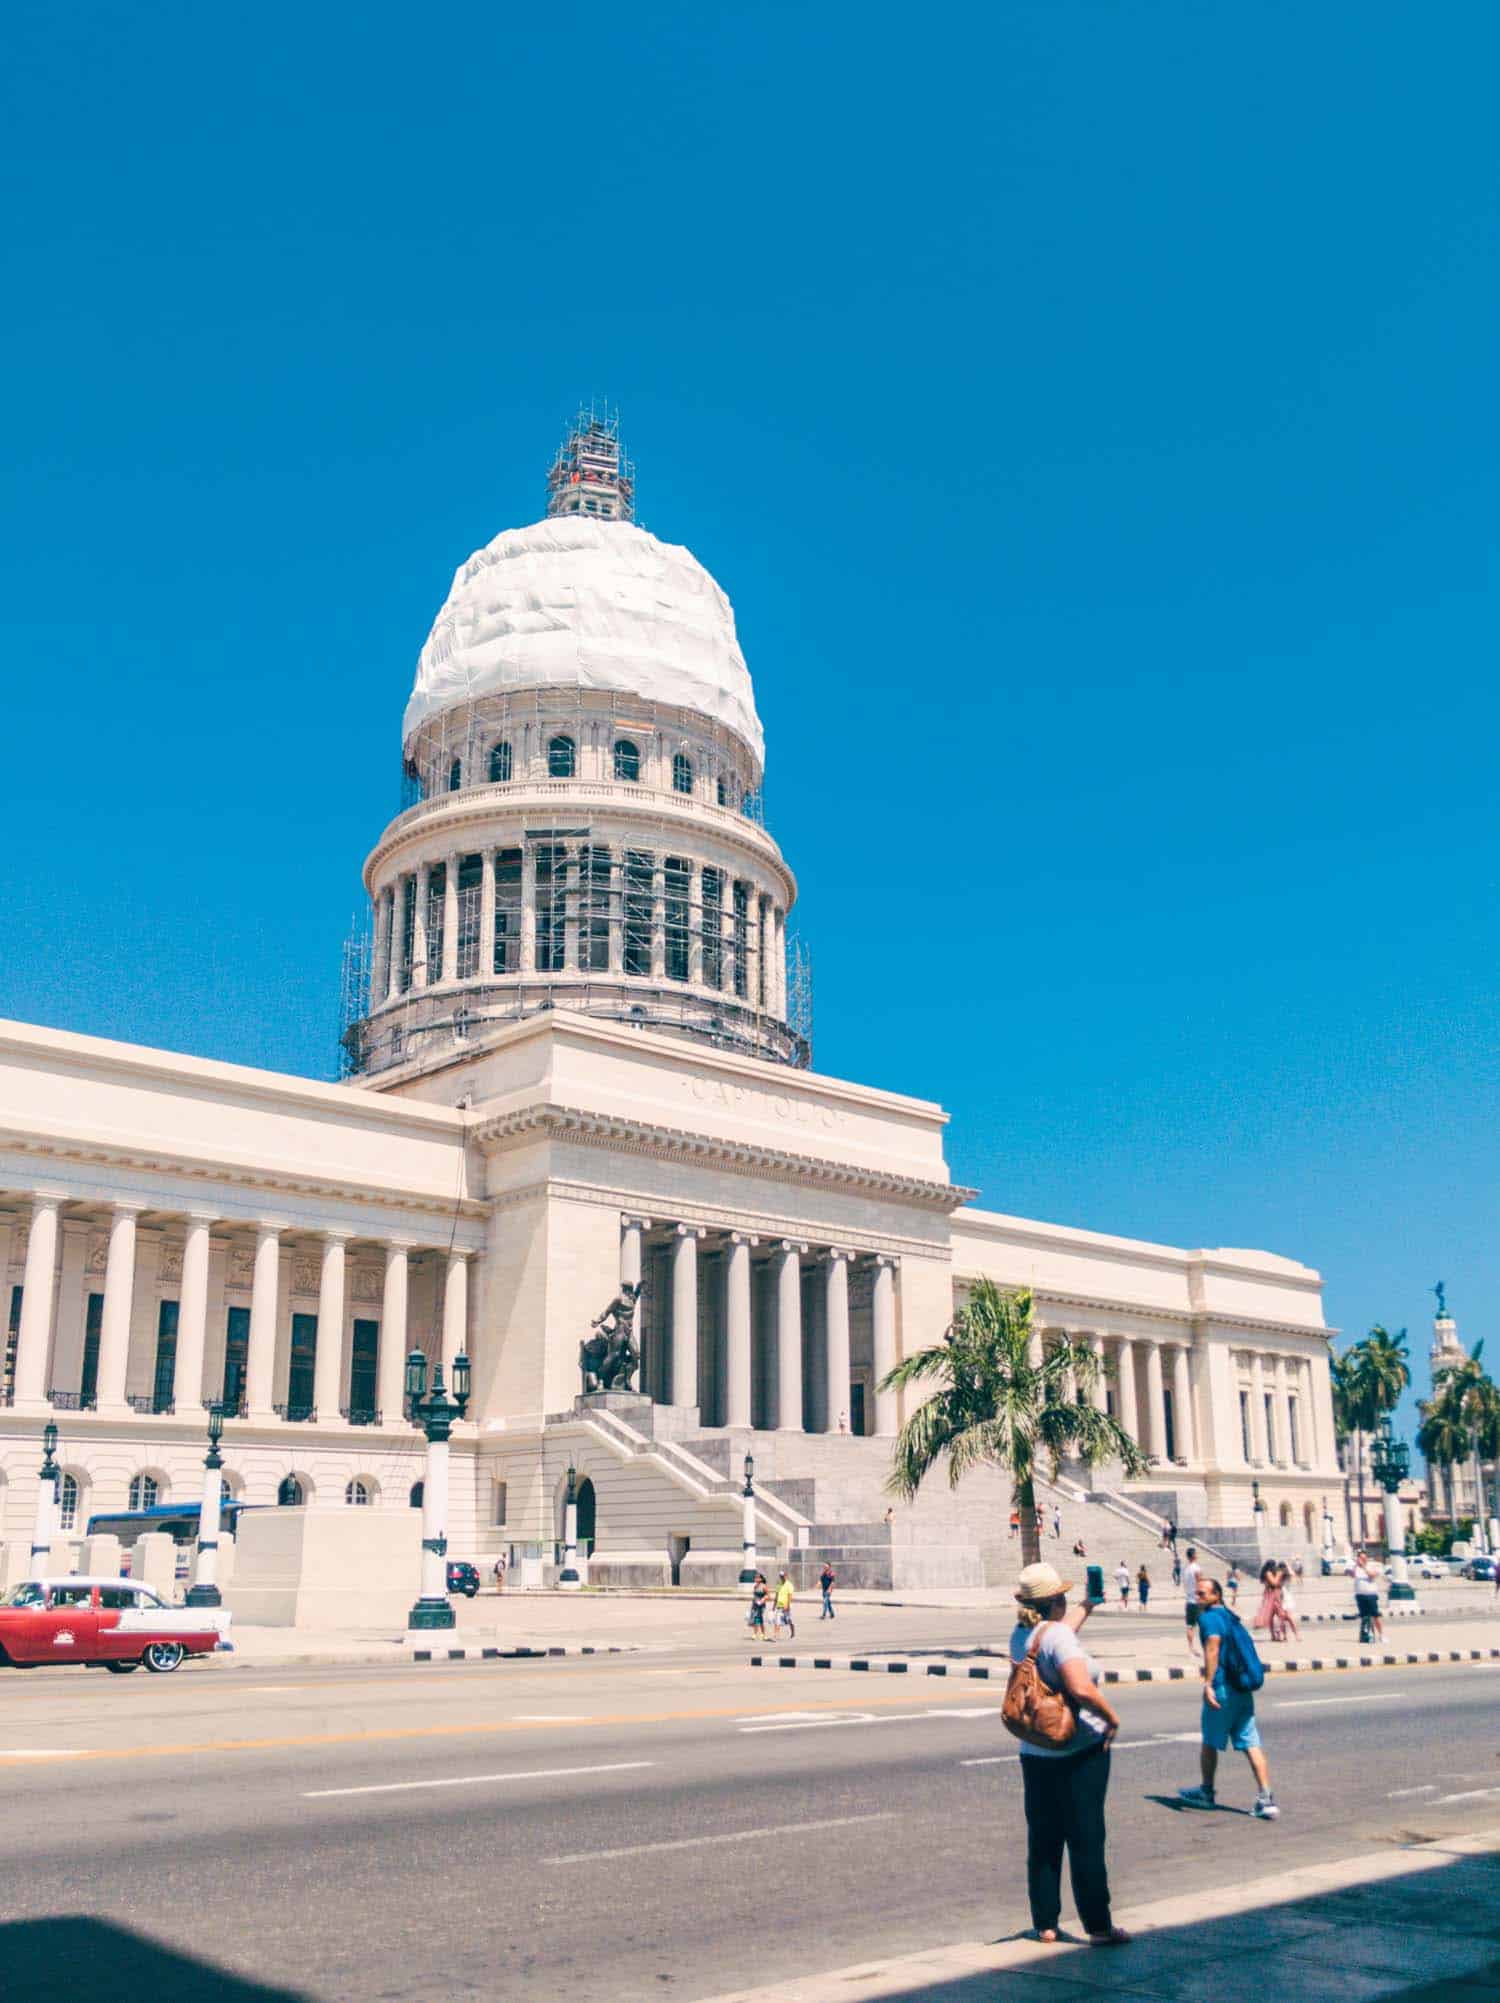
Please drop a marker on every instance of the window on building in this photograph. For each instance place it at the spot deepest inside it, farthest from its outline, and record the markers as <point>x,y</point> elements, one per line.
<point>418,1489</point>
<point>163,1383</point>
<point>93,1324</point>
<point>1171,1422</point>
<point>67,1506</point>
<point>1284,1516</point>
<point>682,773</point>
<point>1245,1447</point>
<point>551,906</point>
<point>437,887</point>
<point>470,894</point>
<point>713,928</point>
<point>722,791</point>
<point>143,1491</point>
<point>408,931</point>
<point>290,1494</point>
<point>562,758</point>
<point>1272,1453</point>
<point>500,762</point>
<point>236,1357</point>
<point>455,775</point>
<point>497,1491</point>
<point>1293,1419</point>
<point>508,911</point>
<point>364,1353</point>
<point>302,1368</point>
<point>679,877</point>
<point>595,878</point>
<point>627,760</point>
<point>12,1330</point>
<point>638,868</point>
<point>741,940</point>
<point>356,1494</point>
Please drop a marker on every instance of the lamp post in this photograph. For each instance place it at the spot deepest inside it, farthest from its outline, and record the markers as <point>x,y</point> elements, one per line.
<point>203,1592</point>
<point>567,1579</point>
<point>747,1531</point>
<point>49,1486</point>
<point>1327,1536</point>
<point>435,1412</point>
<point>1390,1461</point>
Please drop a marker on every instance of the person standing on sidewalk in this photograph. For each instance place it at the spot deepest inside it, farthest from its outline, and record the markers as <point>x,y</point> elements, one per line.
<point>1191,1574</point>
<point>1367,1599</point>
<point>784,1608</point>
<point>1232,1586</point>
<point>1015,1522</point>
<point>827,1579</point>
<point>1143,1587</point>
<point>1056,1521</point>
<point>1122,1580</point>
<point>1228,1711</point>
<point>1065,1786</point>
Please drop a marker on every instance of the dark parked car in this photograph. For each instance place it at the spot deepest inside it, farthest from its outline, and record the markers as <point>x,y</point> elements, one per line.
<point>463,1578</point>
<point>1479,1568</point>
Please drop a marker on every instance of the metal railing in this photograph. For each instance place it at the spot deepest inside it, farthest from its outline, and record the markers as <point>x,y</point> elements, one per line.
<point>360,1415</point>
<point>149,1401</point>
<point>296,1415</point>
<point>73,1401</point>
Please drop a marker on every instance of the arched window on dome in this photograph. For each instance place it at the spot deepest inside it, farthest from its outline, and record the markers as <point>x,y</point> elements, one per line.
<point>562,758</point>
<point>500,762</point>
<point>289,1493</point>
<point>357,1494</point>
<point>682,773</point>
<point>722,791</point>
<point>455,775</point>
<point>627,760</point>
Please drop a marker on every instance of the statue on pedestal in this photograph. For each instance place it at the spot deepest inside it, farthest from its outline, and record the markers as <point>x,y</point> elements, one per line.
<point>609,1358</point>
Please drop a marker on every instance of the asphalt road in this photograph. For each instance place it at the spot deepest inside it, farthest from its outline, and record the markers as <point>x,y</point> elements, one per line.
<point>624,1829</point>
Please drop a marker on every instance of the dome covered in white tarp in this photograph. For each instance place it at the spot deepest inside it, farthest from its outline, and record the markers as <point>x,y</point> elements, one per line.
<point>578,604</point>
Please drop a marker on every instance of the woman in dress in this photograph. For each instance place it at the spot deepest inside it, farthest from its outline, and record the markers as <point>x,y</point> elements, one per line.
<point>1270,1614</point>
<point>1065,1786</point>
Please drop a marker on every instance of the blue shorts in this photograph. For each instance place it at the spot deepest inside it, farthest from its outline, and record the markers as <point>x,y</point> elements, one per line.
<point>1233,1724</point>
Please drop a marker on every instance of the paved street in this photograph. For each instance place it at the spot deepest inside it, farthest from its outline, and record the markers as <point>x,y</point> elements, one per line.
<point>640,1826</point>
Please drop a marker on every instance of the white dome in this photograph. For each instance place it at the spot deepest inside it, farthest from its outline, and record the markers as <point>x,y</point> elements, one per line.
<point>577,604</point>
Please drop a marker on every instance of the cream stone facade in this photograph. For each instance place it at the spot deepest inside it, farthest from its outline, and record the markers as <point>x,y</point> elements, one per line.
<point>578,1063</point>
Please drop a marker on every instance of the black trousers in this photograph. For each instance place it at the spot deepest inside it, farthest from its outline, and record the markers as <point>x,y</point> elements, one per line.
<point>1065,1810</point>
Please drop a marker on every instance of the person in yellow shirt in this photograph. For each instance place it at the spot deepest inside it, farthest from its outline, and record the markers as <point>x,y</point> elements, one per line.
<point>784,1607</point>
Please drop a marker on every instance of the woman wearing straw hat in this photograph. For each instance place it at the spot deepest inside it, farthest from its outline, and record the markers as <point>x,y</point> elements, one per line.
<point>1065,1785</point>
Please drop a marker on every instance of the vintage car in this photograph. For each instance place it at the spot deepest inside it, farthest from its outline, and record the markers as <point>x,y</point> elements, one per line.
<point>103,1620</point>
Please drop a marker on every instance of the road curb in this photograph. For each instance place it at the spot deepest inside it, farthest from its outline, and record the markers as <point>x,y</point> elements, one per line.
<point>413,1654</point>
<point>1172,1673</point>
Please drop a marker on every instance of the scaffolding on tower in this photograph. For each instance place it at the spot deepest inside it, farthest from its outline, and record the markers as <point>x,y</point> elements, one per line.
<point>592,473</point>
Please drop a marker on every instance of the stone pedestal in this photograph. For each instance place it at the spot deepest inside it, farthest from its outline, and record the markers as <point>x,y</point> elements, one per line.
<point>335,1568</point>
<point>101,1556</point>
<point>153,1563</point>
<point>634,1407</point>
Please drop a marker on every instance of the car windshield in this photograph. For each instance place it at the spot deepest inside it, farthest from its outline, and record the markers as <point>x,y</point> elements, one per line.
<point>27,1594</point>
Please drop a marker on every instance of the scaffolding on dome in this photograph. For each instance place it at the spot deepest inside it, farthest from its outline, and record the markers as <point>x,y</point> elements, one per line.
<point>592,474</point>
<point>354,998</point>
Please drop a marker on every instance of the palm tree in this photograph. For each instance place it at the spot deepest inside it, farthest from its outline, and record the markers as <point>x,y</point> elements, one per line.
<point>1369,1380</point>
<point>1466,1402</point>
<point>1343,1376</point>
<point>994,1404</point>
<point>1443,1442</point>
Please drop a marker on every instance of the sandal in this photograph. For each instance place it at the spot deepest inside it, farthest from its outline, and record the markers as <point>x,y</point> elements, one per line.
<point>1116,1937</point>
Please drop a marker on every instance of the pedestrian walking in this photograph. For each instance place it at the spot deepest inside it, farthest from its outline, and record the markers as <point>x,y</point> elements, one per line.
<point>1232,1586</point>
<point>1171,1535</point>
<point>1122,1580</point>
<point>1232,1673</point>
<point>1191,1574</point>
<point>1015,1523</point>
<point>1039,1522</point>
<point>760,1594</point>
<point>1288,1605</point>
<point>1064,1780</point>
<point>1269,1614</point>
<point>500,1573</point>
<point>827,1579</point>
<point>1056,1521</point>
<point>1143,1587</point>
<point>784,1621</point>
<point>1176,1570</point>
<point>1367,1599</point>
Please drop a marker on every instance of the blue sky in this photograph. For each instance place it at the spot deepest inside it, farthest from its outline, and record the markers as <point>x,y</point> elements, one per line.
<point>1090,411</point>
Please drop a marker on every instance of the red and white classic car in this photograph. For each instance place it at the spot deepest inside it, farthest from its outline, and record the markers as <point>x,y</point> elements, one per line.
<point>103,1620</point>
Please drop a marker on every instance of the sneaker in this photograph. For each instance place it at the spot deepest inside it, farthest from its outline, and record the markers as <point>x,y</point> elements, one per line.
<point>1265,1809</point>
<point>1197,1797</point>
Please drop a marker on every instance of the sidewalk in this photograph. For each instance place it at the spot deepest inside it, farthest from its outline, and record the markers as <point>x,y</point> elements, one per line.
<point>1415,1926</point>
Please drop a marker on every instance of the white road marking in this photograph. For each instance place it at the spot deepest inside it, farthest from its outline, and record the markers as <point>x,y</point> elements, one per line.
<point>811,1721</point>
<point>1473,1794</point>
<point>38,1753</point>
<point>1322,1703</point>
<point>1400,1793</point>
<point>474,1779</point>
<point>733,1836</point>
<point>993,1760</point>
<point>1120,1746</point>
<point>550,1717</point>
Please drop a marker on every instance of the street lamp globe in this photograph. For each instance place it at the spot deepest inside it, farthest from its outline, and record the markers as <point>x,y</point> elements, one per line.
<point>416,1375</point>
<point>461,1376</point>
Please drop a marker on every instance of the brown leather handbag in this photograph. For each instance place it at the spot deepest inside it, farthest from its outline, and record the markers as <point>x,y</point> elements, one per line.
<point>1033,1710</point>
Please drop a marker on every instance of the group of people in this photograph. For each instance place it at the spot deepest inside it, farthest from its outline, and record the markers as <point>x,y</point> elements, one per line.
<point>1038,1520</point>
<point>778,1604</point>
<point>1065,1785</point>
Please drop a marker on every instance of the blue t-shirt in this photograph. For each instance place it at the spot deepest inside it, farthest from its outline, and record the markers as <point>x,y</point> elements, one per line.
<point>1211,1621</point>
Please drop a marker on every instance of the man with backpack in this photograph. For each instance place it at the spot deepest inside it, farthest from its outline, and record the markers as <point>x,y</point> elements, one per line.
<point>1232,1673</point>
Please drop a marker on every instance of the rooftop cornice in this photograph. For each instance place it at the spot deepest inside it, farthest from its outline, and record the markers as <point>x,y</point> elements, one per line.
<point>1149,1311</point>
<point>677,1143</point>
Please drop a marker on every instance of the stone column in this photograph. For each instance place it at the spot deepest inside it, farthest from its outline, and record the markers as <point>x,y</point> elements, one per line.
<point>632,1230</point>
<point>1099,1396</point>
<point>756,918</point>
<point>617,910</point>
<point>779,965</point>
<point>119,1292</point>
<point>1156,1410</point>
<point>1284,1411</point>
<point>685,1314</point>
<point>1127,1415</point>
<point>192,1315</point>
<point>695,927</point>
<point>528,909</point>
<point>570,913</point>
<point>1182,1403</point>
<point>66,1373</point>
<point>419,928</point>
<point>883,1308</point>
<point>836,1319</point>
<point>39,1284</point>
<point>728,955</point>
<point>397,895</point>
<point>486,965</point>
<point>450,919</point>
<point>789,1336</point>
<point>658,920</point>
<point>455,1308</point>
<point>1310,1457</point>
<point>265,1289</point>
<point>737,1329</point>
<point>1260,1446</point>
<point>391,1390</point>
<point>328,1358</point>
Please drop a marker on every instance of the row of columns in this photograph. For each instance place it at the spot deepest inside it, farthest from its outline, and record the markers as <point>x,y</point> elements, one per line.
<point>1146,1421</point>
<point>1291,1385</point>
<point>765,927</point>
<point>34,1335</point>
<point>786,1257</point>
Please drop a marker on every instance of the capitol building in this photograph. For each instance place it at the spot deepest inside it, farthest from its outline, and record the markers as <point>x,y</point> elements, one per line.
<point>576,1056</point>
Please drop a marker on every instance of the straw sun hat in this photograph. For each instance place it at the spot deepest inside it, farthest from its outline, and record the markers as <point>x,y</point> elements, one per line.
<point>1041,1582</point>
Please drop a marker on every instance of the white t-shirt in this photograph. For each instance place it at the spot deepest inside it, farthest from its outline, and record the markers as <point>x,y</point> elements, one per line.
<point>1059,1644</point>
<point>1366,1583</point>
<point>1190,1577</point>
<point>1122,1576</point>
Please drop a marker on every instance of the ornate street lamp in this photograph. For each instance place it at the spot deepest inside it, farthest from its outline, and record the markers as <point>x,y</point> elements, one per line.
<point>49,1490</point>
<point>435,1412</point>
<point>568,1579</point>
<point>1390,1462</point>
<point>203,1592</point>
<point>747,1531</point>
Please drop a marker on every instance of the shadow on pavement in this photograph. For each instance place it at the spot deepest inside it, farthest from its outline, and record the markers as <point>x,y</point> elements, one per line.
<point>82,1960</point>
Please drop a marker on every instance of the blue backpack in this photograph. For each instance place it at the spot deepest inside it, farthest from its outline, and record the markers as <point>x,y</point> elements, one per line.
<point>1239,1659</point>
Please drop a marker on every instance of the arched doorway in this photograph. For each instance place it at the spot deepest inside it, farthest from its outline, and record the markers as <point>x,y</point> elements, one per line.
<point>587,1516</point>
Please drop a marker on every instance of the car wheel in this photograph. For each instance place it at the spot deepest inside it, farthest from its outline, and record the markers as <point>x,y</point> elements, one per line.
<point>163,1656</point>
<point>121,1668</point>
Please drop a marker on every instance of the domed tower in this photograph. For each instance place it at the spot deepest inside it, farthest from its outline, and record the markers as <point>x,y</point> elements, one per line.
<point>583,766</point>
